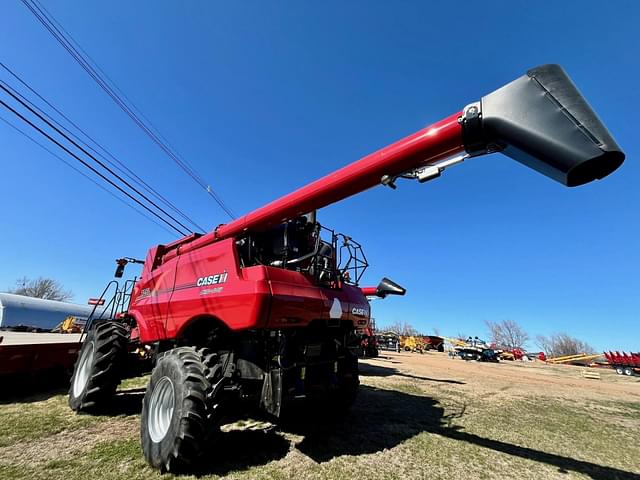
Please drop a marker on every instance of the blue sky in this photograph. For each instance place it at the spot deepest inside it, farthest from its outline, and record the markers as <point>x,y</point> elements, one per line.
<point>263,97</point>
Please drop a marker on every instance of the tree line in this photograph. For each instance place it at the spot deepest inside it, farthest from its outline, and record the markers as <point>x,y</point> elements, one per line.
<point>509,335</point>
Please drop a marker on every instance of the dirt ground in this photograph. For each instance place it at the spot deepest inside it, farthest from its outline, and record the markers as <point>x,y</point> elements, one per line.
<point>417,416</point>
<point>516,379</point>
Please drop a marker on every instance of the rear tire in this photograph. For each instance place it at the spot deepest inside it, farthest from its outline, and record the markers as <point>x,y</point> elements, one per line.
<point>628,371</point>
<point>179,417</point>
<point>99,367</point>
<point>348,385</point>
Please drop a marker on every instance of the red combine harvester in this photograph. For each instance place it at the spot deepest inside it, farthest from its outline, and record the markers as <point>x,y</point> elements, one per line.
<point>624,363</point>
<point>265,308</point>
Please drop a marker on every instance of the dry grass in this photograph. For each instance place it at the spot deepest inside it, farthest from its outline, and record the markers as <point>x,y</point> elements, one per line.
<point>416,417</point>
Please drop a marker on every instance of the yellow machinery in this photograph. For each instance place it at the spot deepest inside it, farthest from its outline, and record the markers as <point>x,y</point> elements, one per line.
<point>456,342</point>
<point>70,324</point>
<point>412,344</point>
<point>581,357</point>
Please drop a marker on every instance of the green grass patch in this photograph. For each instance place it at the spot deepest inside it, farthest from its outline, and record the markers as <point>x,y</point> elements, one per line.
<point>27,421</point>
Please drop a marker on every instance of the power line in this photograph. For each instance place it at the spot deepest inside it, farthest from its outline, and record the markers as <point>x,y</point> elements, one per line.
<point>120,165</point>
<point>42,118</point>
<point>49,22</point>
<point>29,137</point>
<point>101,175</point>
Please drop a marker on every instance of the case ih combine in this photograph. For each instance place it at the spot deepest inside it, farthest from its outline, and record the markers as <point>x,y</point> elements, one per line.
<point>265,308</point>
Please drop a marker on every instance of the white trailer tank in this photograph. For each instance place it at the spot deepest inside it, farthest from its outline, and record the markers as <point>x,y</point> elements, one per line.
<point>21,311</point>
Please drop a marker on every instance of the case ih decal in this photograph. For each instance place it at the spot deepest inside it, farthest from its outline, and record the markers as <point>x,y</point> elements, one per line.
<point>212,279</point>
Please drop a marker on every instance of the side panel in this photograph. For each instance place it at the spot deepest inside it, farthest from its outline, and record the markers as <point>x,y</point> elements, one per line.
<point>298,301</point>
<point>210,282</point>
<point>150,299</point>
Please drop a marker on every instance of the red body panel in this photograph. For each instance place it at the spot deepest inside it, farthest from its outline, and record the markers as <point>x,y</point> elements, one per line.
<point>168,298</point>
<point>201,275</point>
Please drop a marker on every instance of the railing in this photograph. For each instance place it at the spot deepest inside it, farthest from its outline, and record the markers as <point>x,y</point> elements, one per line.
<point>119,303</point>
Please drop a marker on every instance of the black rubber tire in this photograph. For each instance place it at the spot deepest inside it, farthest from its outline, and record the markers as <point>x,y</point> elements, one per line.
<point>109,341</point>
<point>628,371</point>
<point>348,385</point>
<point>194,421</point>
<point>619,370</point>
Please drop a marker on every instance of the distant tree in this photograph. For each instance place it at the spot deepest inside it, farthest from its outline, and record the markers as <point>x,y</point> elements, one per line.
<point>561,344</point>
<point>436,331</point>
<point>507,334</point>
<point>45,288</point>
<point>400,328</point>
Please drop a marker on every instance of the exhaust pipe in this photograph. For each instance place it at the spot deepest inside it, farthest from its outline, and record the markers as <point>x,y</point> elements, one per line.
<point>542,121</point>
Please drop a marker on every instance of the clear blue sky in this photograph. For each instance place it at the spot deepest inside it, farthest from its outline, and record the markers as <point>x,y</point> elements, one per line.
<point>263,97</point>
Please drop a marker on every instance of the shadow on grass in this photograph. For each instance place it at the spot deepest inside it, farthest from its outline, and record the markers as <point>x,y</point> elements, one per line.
<point>33,388</point>
<point>384,418</point>
<point>378,371</point>
<point>125,402</point>
<point>380,419</point>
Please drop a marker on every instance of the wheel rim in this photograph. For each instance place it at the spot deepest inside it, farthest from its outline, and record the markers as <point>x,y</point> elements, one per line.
<point>84,370</point>
<point>161,406</point>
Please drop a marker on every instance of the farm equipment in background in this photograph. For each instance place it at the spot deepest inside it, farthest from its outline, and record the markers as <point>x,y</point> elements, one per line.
<point>511,354</point>
<point>624,363</point>
<point>264,310</point>
<point>70,324</point>
<point>368,339</point>
<point>388,341</point>
<point>577,359</point>
<point>455,342</point>
<point>412,343</point>
<point>476,349</point>
<point>434,342</point>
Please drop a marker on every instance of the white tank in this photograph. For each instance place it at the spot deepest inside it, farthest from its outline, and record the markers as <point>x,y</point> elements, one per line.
<point>21,311</point>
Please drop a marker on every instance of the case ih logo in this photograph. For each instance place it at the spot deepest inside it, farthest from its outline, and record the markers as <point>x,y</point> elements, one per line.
<point>359,311</point>
<point>212,279</point>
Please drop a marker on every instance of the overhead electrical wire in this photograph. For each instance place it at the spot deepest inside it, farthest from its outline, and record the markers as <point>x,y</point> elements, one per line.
<point>119,165</point>
<point>77,170</point>
<point>88,165</point>
<point>67,42</point>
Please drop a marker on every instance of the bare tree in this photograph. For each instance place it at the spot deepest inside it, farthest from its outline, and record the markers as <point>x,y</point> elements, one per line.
<point>45,288</point>
<point>436,331</point>
<point>507,334</point>
<point>401,328</point>
<point>561,344</point>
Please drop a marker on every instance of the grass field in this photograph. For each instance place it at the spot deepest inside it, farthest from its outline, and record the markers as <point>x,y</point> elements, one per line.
<point>416,417</point>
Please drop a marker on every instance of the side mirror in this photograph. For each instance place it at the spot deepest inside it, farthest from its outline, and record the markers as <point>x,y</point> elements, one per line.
<point>120,268</point>
<point>389,287</point>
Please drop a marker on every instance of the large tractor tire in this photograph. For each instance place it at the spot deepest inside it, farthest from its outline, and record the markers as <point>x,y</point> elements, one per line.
<point>99,367</point>
<point>348,385</point>
<point>180,414</point>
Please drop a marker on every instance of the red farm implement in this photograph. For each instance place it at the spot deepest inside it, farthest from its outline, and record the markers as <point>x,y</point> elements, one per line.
<point>624,363</point>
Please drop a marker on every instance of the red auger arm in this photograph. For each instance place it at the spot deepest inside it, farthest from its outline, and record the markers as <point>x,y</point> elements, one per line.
<point>539,119</point>
<point>384,288</point>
